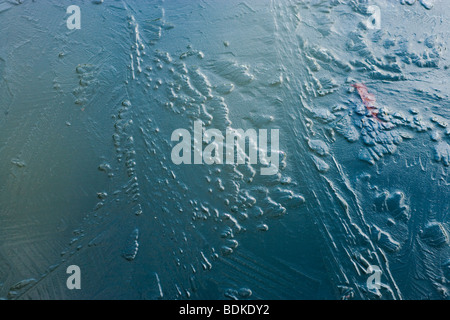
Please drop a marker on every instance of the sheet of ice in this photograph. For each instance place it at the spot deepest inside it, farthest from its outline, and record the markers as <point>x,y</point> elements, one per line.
<point>87,178</point>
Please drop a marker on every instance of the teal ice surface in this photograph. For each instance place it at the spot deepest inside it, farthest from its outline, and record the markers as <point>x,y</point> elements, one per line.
<point>86,177</point>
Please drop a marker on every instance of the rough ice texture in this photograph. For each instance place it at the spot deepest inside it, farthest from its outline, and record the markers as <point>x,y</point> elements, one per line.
<point>87,177</point>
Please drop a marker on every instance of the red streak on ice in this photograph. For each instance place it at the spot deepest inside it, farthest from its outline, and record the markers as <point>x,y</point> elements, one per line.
<point>368,99</point>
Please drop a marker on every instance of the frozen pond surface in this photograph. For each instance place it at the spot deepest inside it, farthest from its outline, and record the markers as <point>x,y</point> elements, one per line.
<point>357,89</point>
